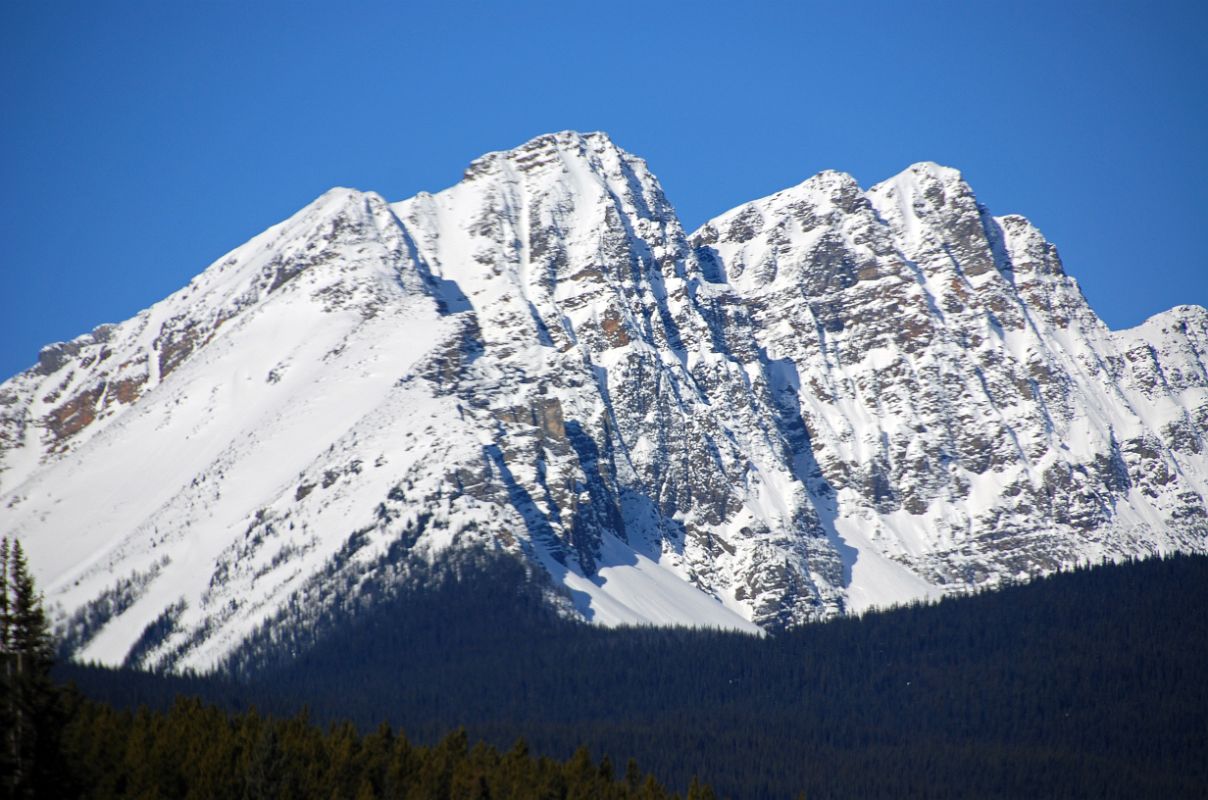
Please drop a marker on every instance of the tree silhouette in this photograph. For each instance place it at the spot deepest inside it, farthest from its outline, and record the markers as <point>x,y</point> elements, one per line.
<point>30,715</point>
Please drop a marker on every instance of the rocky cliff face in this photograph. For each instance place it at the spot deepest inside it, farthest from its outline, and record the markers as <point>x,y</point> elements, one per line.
<point>974,418</point>
<point>827,399</point>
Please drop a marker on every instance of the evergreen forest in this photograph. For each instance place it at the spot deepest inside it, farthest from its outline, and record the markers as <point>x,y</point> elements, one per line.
<point>1092,683</point>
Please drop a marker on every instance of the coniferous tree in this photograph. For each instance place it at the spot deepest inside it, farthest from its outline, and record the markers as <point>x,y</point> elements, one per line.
<point>28,629</point>
<point>633,778</point>
<point>8,697</point>
<point>31,715</point>
<point>5,641</point>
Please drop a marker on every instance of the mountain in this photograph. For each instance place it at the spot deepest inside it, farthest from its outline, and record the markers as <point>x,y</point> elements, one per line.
<point>822,401</point>
<point>970,414</point>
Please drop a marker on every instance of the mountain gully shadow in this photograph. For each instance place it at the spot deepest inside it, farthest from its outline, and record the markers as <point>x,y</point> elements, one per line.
<point>785,384</point>
<point>549,548</point>
<point>449,297</point>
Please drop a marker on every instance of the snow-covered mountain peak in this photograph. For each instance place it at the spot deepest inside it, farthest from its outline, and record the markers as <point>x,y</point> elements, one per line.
<point>824,400</point>
<point>825,190</point>
<point>1170,351</point>
<point>576,162</point>
<point>820,233</point>
<point>549,236</point>
<point>345,253</point>
<point>545,149</point>
<point>924,189</point>
<point>930,171</point>
<point>1192,316</point>
<point>949,368</point>
<point>828,183</point>
<point>1026,248</point>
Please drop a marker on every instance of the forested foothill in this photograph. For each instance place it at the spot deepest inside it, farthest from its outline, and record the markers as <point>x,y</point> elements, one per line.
<point>1092,683</point>
<point>56,743</point>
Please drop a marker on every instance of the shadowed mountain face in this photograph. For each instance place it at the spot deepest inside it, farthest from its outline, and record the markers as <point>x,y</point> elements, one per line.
<point>821,401</point>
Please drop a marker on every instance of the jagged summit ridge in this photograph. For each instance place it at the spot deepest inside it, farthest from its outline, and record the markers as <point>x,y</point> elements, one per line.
<point>823,400</point>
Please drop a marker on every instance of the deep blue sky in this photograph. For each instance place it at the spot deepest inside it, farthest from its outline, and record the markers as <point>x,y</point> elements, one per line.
<point>141,141</point>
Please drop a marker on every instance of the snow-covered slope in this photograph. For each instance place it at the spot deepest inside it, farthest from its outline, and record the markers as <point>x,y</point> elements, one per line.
<point>822,401</point>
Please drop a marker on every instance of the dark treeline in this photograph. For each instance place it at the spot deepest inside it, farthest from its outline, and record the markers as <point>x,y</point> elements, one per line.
<point>198,751</point>
<point>1086,684</point>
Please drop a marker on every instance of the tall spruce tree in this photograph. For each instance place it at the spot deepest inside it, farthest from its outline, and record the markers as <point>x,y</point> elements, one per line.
<point>30,717</point>
<point>28,628</point>
<point>8,696</point>
<point>5,641</point>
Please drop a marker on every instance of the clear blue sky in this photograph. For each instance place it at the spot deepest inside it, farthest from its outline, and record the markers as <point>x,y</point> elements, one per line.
<point>141,141</point>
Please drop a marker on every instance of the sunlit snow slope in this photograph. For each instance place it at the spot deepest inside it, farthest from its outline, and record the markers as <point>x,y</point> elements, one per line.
<point>822,401</point>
